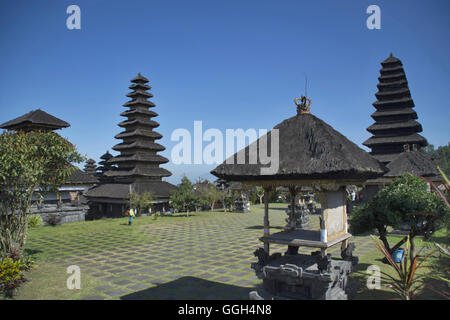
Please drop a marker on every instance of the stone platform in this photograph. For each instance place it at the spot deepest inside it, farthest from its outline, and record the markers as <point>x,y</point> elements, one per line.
<point>303,277</point>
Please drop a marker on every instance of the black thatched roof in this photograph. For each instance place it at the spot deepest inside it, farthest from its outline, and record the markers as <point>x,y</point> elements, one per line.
<point>415,162</point>
<point>308,149</point>
<point>139,79</point>
<point>80,177</point>
<point>138,159</point>
<point>35,119</point>
<point>395,126</point>
<point>106,156</point>
<point>160,189</point>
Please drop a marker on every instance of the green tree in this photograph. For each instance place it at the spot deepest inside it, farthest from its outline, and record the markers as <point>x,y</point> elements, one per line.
<point>34,162</point>
<point>441,155</point>
<point>183,197</point>
<point>408,199</point>
<point>211,195</point>
<point>141,201</point>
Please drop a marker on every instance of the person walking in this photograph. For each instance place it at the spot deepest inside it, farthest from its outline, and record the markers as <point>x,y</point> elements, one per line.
<point>131,215</point>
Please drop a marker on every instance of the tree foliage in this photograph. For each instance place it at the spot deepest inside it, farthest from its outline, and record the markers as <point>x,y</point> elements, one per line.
<point>141,201</point>
<point>441,155</point>
<point>408,199</point>
<point>34,162</point>
<point>183,197</point>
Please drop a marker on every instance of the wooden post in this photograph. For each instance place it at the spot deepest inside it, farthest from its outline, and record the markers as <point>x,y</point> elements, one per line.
<point>266,217</point>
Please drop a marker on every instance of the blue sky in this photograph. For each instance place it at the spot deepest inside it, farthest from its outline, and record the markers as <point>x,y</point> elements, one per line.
<point>231,64</point>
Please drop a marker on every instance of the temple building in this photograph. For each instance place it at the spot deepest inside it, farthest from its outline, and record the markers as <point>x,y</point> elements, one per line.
<point>395,129</point>
<point>105,166</point>
<point>396,141</point>
<point>90,166</point>
<point>79,181</point>
<point>138,162</point>
<point>69,201</point>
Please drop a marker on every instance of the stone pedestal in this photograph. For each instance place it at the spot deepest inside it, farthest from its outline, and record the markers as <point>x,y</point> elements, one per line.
<point>302,277</point>
<point>241,206</point>
<point>301,216</point>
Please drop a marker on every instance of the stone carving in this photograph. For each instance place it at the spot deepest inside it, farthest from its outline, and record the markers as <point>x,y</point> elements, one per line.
<point>323,263</point>
<point>304,277</point>
<point>301,216</point>
<point>347,254</point>
<point>263,259</point>
<point>241,205</point>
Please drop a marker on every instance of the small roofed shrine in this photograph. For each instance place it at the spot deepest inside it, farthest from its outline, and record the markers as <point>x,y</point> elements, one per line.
<point>240,202</point>
<point>138,162</point>
<point>310,153</point>
<point>35,120</point>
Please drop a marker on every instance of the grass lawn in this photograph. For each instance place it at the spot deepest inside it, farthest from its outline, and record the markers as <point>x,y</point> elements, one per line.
<point>164,257</point>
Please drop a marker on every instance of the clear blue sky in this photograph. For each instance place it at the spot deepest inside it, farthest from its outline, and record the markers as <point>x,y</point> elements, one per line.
<point>231,64</point>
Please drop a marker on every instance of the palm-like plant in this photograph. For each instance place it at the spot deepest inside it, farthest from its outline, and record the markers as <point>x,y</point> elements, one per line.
<point>407,281</point>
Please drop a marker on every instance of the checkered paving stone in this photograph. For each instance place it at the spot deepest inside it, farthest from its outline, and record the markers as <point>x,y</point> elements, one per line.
<point>198,259</point>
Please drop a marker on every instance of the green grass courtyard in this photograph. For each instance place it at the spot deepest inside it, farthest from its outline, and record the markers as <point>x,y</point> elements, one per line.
<point>204,256</point>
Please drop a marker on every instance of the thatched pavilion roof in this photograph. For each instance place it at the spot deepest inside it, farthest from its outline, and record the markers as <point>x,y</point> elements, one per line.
<point>415,162</point>
<point>160,189</point>
<point>309,149</point>
<point>35,119</point>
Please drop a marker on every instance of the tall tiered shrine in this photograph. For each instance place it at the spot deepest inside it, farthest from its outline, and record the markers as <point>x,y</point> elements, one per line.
<point>138,160</point>
<point>395,129</point>
<point>136,169</point>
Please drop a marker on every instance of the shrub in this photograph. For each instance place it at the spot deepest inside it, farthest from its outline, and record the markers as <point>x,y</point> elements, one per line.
<point>10,276</point>
<point>35,220</point>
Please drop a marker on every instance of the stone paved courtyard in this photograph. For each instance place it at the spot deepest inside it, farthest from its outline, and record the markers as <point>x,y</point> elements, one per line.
<point>183,259</point>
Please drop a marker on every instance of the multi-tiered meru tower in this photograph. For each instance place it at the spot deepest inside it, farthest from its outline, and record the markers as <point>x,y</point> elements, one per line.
<point>136,168</point>
<point>396,141</point>
<point>395,129</point>
<point>138,160</point>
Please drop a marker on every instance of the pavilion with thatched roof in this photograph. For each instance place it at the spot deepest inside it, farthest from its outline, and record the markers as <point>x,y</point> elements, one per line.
<point>310,153</point>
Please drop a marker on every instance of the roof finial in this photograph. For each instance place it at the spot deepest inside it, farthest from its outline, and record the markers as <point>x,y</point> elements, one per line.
<point>391,56</point>
<point>303,107</point>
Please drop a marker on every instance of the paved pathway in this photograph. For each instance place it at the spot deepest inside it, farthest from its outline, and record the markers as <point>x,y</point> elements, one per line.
<point>198,259</point>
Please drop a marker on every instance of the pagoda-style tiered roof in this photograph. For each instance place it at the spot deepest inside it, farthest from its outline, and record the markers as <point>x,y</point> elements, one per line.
<point>395,128</point>
<point>79,177</point>
<point>103,164</point>
<point>138,157</point>
<point>90,166</point>
<point>35,120</point>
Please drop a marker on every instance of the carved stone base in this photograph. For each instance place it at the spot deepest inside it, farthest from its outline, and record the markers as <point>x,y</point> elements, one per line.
<point>303,277</point>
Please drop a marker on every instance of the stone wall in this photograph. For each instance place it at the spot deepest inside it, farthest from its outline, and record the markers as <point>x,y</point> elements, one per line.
<point>67,213</point>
